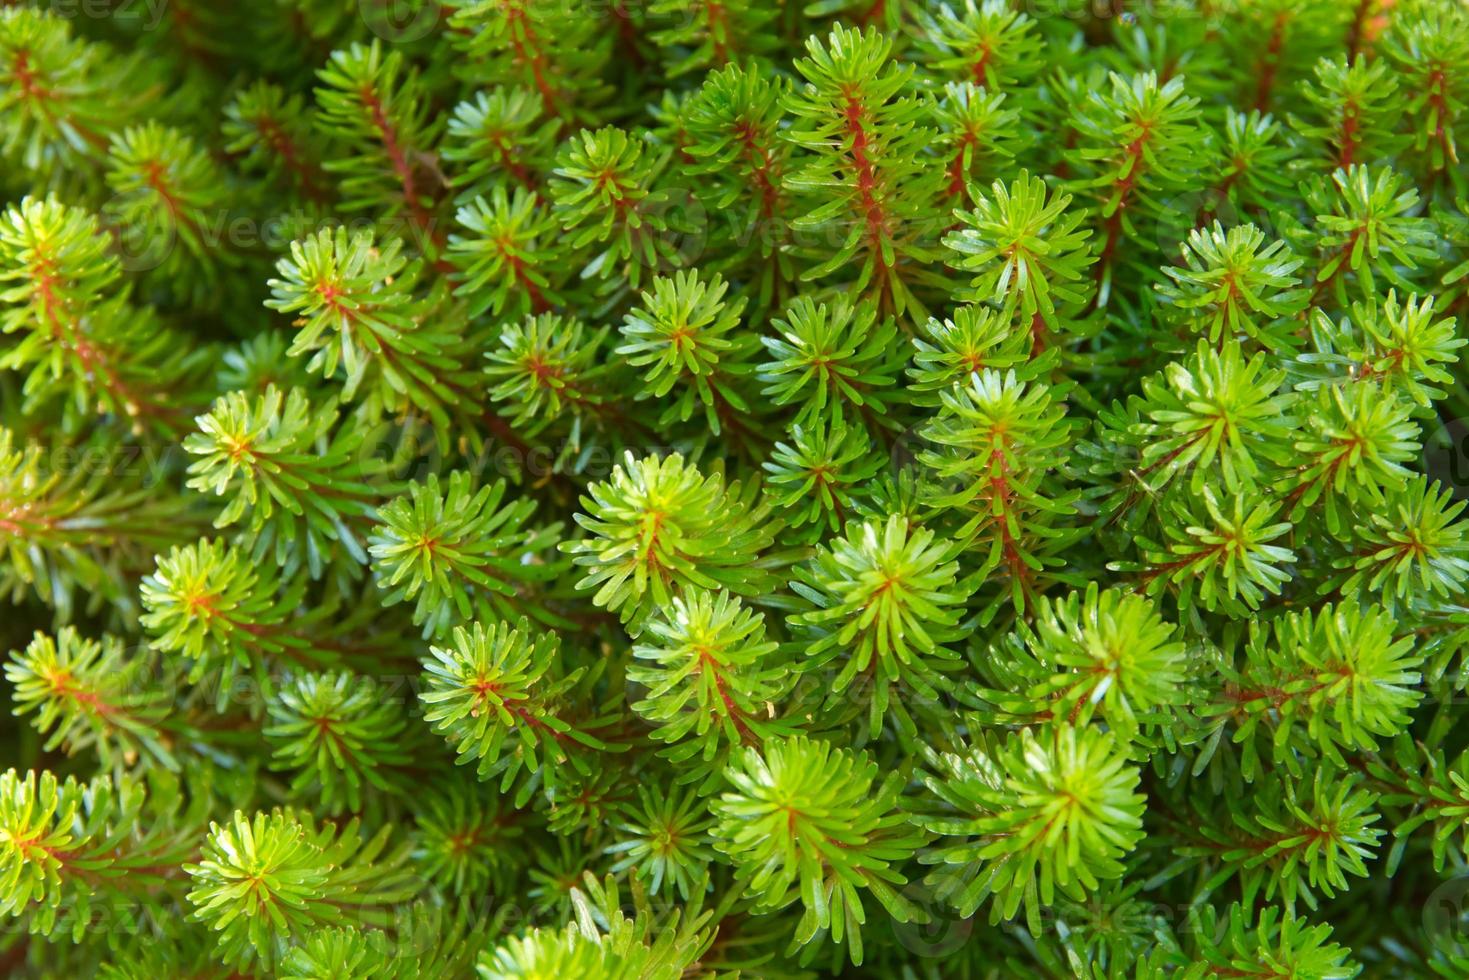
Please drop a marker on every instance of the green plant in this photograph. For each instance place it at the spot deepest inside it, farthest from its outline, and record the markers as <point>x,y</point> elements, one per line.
<point>903,488</point>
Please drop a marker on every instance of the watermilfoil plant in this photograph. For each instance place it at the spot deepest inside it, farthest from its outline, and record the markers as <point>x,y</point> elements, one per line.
<point>925,489</point>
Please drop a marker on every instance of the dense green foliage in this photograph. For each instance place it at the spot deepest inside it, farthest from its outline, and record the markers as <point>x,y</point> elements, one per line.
<point>672,488</point>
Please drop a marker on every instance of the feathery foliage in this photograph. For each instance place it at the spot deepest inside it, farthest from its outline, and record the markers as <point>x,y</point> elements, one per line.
<point>683,489</point>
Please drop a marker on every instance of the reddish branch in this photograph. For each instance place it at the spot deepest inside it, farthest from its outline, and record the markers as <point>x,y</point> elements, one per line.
<point>506,152</point>
<point>398,159</point>
<point>869,208</point>
<point>506,249</point>
<point>1112,226</point>
<point>980,69</point>
<point>40,97</point>
<point>1350,128</point>
<point>529,52</point>
<point>1269,62</point>
<point>66,330</point>
<point>718,30</point>
<point>764,172</point>
<point>307,174</point>
<point>1001,494</point>
<point>1439,108</point>
<point>1357,30</point>
<point>714,670</point>
<point>957,186</point>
